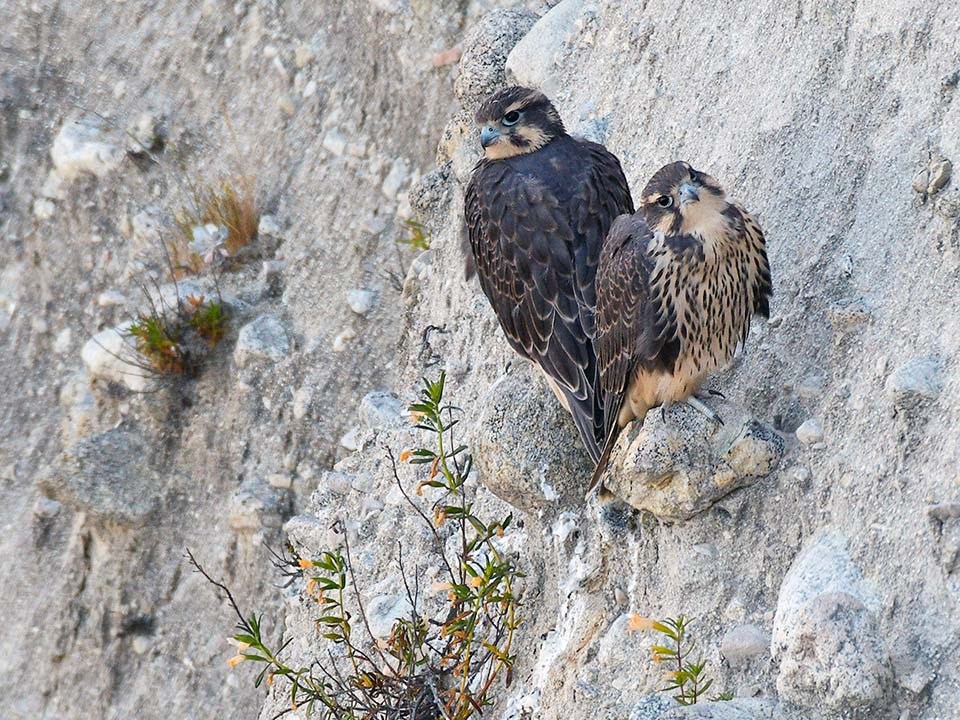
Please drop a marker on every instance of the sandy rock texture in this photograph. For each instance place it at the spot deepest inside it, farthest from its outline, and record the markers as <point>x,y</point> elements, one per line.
<point>814,537</point>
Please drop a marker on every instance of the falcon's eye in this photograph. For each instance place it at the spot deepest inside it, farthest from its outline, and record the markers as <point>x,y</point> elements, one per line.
<point>511,118</point>
<point>665,201</point>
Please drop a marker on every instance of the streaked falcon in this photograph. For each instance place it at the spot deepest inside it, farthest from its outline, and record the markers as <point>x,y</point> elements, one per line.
<point>538,207</point>
<point>677,286</point>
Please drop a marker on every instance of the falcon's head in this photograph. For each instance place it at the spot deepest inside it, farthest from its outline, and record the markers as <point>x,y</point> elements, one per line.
<point>517,120</point>
<point>679,200</point>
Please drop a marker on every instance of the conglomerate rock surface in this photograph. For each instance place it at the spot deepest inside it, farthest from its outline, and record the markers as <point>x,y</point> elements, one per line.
<point>815,540</point>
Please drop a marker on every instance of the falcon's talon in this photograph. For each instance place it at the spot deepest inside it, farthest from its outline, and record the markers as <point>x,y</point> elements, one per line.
<point>701,407</point>
<point>716,393</point>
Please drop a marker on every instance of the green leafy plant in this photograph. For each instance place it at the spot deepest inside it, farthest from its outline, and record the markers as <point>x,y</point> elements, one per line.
<point>170,341</point>
<point>209,320</point>
<point>688,679</point>
<point>415,237</point>
<point>159,343</point>
<point>429,668</point>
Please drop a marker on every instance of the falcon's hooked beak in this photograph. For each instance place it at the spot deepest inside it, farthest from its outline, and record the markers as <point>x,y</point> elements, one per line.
<point>489,135</point>
<point>688,193</point>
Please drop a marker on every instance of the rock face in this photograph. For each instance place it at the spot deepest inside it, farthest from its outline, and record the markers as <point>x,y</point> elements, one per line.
<point>110,476</point>
<point>826,637</point>
<point>678,465</point>
<point>515,410</point>
<point>836,124</point>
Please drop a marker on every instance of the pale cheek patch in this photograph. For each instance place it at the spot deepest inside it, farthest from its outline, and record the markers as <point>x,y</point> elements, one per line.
<point>706,219</point>
<point>503,148</point>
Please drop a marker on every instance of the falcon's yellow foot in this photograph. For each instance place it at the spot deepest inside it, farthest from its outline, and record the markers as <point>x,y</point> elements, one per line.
<point>701,407</point>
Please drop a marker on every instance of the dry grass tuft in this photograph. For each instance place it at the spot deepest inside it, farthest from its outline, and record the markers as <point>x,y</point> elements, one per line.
<point>231,207</point>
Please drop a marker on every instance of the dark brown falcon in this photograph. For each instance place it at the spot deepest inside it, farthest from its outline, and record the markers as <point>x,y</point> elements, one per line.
<point>677,286</point>
<point>538,208</point>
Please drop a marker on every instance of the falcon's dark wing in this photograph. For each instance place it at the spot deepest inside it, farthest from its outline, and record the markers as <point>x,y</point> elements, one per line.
<point>633,326</point>
<point>536,227</point>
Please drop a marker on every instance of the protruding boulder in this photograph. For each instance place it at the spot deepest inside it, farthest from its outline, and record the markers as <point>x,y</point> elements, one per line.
<point>485,51</point>
<point>525,446</point>
<point>825,633</point>
<point>679,464</point>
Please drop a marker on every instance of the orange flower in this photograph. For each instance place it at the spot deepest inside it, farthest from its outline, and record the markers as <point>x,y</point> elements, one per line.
<point>655,656</point>
<point>311,586</point>
<point>304,563</point>
<point>415,416</point>
<point>439,515</point>
<point>441,586</point>
<point>236,660</point>
<point>637,623</point>
<point>476,581</point>
<point>434,468</point>
<point>405,455</point>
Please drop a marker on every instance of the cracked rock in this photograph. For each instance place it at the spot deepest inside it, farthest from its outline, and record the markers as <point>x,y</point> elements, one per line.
<point>678,467</point>
<point>515,409</point>
<point>485,51</point>
<point>84,145</point>
<point>110,476</point>
<point>262,339</point>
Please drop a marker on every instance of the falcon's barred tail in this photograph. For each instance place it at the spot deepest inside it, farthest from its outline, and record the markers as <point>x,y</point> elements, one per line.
<point>612,434</point>
<point>603,461</point>
<point>583,412</point>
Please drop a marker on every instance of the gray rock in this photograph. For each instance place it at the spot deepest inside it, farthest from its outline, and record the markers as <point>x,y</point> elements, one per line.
<point>680,467</point>
<point>532,60</point>
<point>257,505</point>
<point>651,707</point>
<point>384,610</point>
<point>335,142</point>
<point>738,709</point>
<point>269,225</point>
<point>916,380</point>
<point>361,301</point>
<point>110,476</point>
<point>835,658</point>
<point>109,356</point>
<point>485,50</point>
<point>85,145</point>
<point>380,410</point>
<point>516,408</point>
<point>743,643</point>
<point>264,338</point>
<point>810,431</point>
<point>395,180</point>
<point>825,634</point>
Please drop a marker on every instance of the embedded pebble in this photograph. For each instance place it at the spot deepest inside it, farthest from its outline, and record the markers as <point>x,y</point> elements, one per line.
<point>343,339</point>
<point>743,643</point>
<point>810,432</point>
<point>916,380</point>
<point>269,225</point>
<point>264,338</point>
<point>361,301</point>
<point>335,142</point>
<point>84,146</point>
